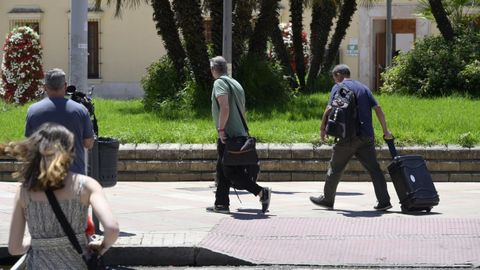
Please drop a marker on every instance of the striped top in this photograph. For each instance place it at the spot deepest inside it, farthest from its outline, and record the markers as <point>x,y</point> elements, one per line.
<point>50,247</point>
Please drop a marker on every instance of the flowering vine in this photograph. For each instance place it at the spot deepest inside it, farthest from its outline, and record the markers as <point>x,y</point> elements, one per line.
<point>21,70</point>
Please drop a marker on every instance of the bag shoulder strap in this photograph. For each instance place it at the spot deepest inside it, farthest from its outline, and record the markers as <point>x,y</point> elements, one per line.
<point>238,108</point>
<point>67,228</point>
<point>342,85</point>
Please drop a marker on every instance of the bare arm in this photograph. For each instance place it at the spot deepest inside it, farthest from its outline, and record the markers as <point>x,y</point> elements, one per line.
<point>102,210</point>
<point>88,143</point>
<point>224,113</point>
<point>381,118</point>
<point>323,124</point>
<point>17,245</point>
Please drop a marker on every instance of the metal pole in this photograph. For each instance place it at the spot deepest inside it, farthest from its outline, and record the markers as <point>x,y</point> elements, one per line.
<point>78,56</point>
<point>388,35</point>
<point>227,33</point>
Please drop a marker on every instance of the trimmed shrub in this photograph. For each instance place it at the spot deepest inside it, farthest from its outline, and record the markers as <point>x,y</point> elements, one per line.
<point>160,83</point>
<point>263,83</point>
<point>470,77</point>
<point>436,67</point>
<point>323,83</point>
<point>22,72</point>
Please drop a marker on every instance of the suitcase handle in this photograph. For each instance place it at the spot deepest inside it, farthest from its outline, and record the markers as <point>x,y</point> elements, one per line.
<point>391,146</point>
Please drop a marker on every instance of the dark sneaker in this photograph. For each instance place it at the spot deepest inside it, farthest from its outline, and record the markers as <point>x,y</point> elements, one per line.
<point>265,199</point>
<point>382,206</point>
<point>320,201</point>
<point>219,209</point>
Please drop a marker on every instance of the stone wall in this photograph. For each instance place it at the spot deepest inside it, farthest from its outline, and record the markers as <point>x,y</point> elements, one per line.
<point>279,162</point>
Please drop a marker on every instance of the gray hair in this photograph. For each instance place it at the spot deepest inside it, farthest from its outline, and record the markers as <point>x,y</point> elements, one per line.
<point>55,79</point>
<point>341,69</point>
<point>219,64</point>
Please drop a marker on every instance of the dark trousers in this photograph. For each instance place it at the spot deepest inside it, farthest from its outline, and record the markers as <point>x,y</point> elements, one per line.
<point>226,175</point>
<point>364,149</point>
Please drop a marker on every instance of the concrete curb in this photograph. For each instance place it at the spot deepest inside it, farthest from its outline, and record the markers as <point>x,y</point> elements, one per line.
<point>155,256</point>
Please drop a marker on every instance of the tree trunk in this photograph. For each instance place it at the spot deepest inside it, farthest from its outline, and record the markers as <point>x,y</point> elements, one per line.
<point>443,23</point>
<point>348,9</point>
<point>167,28</point>
<point>322,20</point>
<point>242,29</point>
<point>216,14</point>
<point>258,41</point>
<point>296,14</point>
<point>281,52</point>
<point>190,20</point>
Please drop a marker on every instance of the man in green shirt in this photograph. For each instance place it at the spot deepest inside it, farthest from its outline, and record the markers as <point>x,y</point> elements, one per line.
<point>228,101</point>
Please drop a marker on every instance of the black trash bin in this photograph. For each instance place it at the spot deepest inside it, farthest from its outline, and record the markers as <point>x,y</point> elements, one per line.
<point>103,161</point>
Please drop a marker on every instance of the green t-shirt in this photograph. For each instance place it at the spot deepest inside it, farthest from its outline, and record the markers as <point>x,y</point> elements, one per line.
<point>234,126</point>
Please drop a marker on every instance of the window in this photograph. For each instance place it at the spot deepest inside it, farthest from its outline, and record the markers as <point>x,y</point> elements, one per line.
<point>93,50</point>
<point>25,16</point>
<point>34,24</point>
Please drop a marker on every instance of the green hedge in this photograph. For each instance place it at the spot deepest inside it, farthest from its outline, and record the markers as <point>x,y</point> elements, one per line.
<point>437,68</point>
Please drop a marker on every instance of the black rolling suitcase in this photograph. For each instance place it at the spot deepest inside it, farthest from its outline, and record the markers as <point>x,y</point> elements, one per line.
<point>412,181</point>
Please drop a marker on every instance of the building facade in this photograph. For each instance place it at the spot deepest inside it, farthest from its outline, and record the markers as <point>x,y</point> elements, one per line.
<point>120,49</point>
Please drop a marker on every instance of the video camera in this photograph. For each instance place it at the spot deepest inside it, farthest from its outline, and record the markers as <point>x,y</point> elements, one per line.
<point>86,101</point>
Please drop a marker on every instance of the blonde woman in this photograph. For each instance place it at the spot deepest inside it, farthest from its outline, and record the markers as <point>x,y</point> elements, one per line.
<point>47,155</point>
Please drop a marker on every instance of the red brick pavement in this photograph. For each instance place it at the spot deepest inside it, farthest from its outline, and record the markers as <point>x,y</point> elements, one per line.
<point>415,241</point>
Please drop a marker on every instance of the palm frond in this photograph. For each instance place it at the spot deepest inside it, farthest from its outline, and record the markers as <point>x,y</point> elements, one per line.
<point>121,4</point>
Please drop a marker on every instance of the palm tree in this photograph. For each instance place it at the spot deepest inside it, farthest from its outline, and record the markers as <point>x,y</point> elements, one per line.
<point>216,14</point>
<point>296,14</point>
<point>242,29</point>
<point>346,13</point>
<point>190,20</point>
<point>281,51</point>
<point>443,23</point>
<point>266,19</point>
<point>120,4</point>
<point>323,13</point>
<point>459,12</point>
<point>167,28</point>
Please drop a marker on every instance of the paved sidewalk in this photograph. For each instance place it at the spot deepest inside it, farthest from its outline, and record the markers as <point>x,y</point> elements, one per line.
<point>166,224</point>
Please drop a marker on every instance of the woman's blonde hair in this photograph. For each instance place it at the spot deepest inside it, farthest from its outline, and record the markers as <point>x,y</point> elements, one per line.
<point>46,156</point>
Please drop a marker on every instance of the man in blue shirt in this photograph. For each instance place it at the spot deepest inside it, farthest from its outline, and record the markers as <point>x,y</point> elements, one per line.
<point>362,145</point>
<point>72,115</point>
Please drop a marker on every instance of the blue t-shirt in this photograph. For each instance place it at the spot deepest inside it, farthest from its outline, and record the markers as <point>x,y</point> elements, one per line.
<point>365,101</point>
<point>68,113</point>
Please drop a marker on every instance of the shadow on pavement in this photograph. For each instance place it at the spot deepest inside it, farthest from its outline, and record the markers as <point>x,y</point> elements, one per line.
<point>126,234</point>
<point>243,192</point>
<point>249,214</point>
<point>366,213</point>
<point>349,194</point>
<point>419,213</point>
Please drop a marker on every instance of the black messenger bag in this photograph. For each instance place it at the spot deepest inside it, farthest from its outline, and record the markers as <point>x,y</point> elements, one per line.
<point>241,150</point>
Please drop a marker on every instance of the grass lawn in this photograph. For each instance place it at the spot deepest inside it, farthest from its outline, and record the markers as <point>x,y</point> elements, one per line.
<point>451,120</point>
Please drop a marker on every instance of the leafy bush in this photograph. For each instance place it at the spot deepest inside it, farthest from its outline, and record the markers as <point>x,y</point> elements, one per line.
<point>323,83</point>
<point>160,83</point>
<point>436,68</point>
<point>263,83</point>
<point>470,77</point>
<point>22,72</point>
